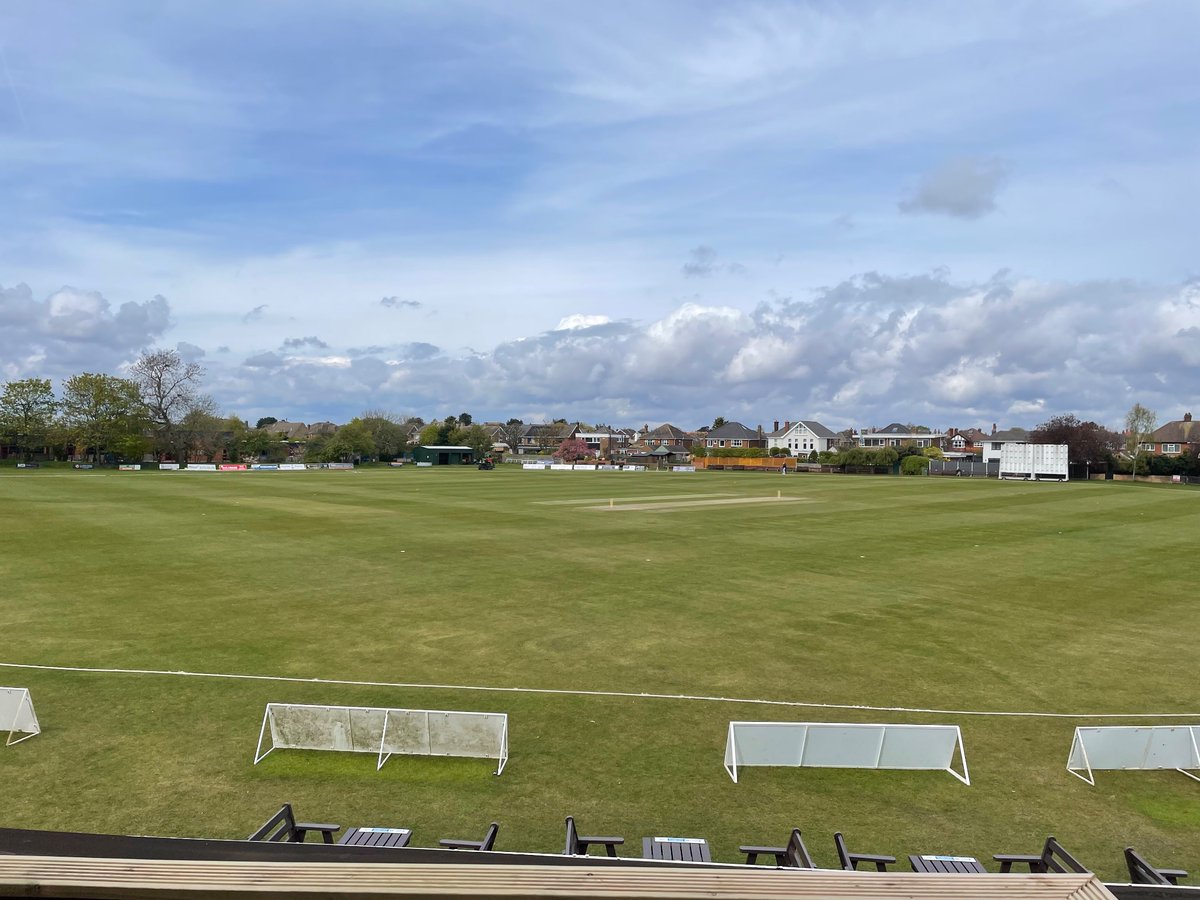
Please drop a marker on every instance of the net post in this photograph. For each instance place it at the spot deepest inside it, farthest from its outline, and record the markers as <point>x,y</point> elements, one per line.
<point>258,755</point>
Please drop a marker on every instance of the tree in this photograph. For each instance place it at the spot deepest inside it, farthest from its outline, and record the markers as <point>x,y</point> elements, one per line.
<point>718,422</point>
<point>573,449</point>
<point>1086,442</point>
<point>511,433</point>
<point>257,443</point>
<point>27,410</point>
<point>350,443</point>
<point>265,421</point>
<point>431,435</point>
<point>204,431</point>
<point>168,387</point>
<point>464,419</point>
<point>386,433</point>
<point>100,412</point>
<point>1139,425</point>
<point>478,438</point>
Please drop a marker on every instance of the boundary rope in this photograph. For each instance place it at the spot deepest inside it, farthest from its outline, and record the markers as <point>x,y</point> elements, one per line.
<point>582,693</point>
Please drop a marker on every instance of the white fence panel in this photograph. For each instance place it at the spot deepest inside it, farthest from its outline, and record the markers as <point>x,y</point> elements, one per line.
<point>384,732</point>
<point>842,745</point>
<point>1141,747</point>
<point>17,715</point>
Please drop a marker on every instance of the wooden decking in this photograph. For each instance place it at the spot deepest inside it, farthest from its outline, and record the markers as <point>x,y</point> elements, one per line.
<point>125,879</point>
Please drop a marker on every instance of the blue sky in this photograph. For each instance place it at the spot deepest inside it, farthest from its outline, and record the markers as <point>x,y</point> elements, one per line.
<point>946,213</point>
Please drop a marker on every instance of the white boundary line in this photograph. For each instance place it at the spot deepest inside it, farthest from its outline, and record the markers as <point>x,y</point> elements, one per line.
<point>580,693</point>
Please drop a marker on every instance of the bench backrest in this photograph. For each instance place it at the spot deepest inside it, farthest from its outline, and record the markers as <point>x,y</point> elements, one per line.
<point>280,827</point>
<point>572,838</point>
<point>1140,871</point>
<point>842,852</point>
<point>1057,859</point>
<point>797,854</point>
<point>490,838</point>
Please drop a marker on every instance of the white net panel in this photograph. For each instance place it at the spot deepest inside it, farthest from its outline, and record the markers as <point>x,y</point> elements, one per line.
<point>832,745</point>
<point>385,731</point>
<point>17,715</point>
<point>1134,747</point>
<point>296,727</point>
<point>480,735</point>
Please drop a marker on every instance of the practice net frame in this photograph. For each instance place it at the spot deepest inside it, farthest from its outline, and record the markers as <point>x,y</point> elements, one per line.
<point>384,731</point>
<point>17,715</point>
<point>845,745</point>
<point>1137,747</point>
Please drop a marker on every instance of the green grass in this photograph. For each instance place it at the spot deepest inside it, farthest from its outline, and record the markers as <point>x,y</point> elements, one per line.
<point>953,594</point>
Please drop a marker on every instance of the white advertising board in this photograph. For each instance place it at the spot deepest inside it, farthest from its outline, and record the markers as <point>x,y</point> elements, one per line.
<point>201,467</point>
<point>844,746</point>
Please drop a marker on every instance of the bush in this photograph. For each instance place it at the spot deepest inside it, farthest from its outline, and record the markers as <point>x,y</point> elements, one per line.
<point>914,465</point>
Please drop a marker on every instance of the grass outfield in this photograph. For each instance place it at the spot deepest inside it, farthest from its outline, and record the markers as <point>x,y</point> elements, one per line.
<point>958,594</point>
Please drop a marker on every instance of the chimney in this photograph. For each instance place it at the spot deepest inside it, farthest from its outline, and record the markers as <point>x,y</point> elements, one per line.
<point>760,432</point>
<point>776,428</point>
<point>787,425</point>
<point>993,428</point>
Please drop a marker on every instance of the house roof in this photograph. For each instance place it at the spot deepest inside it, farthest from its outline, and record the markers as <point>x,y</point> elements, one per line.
<point>735,430</point>
<point>817,428</point>
<point>549,430</point>
<point>667,433</point>
<point>1179,432</point>
<point>1012,434</point>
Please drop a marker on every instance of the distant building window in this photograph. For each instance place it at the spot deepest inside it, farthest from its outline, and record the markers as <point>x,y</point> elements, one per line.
<point>1170,448</point>
<point>997,445</point>
<point>735,443</point>
<point>720,443</point>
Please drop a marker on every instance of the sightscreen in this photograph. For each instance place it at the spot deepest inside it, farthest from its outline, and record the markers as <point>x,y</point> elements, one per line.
<point>836,745</point>
<point>384,731</point>
<point>1146,747</point>
<point>17,715</point>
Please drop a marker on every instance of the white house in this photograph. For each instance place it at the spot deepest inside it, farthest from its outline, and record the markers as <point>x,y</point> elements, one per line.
<point>994,443</point>
<point>801,438</point>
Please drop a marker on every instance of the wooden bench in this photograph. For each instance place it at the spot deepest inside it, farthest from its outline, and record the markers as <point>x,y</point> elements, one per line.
<point>850,860</point>
<point>794,856</point>
<point>1141,872</point>
<point>577,844</point>
<point>486,844</point>
<point>1053,858</point>
<point>283,827</point>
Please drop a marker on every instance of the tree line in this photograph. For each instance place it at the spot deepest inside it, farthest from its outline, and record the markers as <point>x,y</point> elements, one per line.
<point>160,409</point>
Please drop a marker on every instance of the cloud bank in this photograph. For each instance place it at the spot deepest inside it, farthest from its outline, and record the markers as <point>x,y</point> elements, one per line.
<point>870,350</point>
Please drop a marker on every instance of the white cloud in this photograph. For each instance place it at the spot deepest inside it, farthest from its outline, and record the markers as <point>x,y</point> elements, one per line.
<point>580,320</point>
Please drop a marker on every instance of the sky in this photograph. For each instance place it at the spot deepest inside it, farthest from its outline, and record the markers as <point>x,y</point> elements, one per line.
<point>939,213</point>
